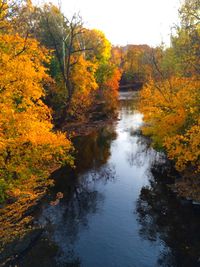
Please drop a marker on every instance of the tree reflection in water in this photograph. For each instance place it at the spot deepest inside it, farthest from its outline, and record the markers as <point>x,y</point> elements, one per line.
<point>62,223</point>
<point>94,150</point>
<point>174,222</point>
<point>140,151</point>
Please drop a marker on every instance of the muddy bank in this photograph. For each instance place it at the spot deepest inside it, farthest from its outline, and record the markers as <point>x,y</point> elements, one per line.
<point>73,129</point>
<point>187,186</point>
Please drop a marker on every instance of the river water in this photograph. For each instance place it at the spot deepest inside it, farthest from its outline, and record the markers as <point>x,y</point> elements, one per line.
<point>117,209</point>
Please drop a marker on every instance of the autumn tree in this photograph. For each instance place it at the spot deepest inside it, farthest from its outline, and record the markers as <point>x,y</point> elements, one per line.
<point>135,64</point>
<point>100,51</point>
<point>64,37</point>
<point>107,73</point>
<point>187,39</point>
<point>28,147</point>
<point>117,56</point>
<point>170,102</point>
<point>84,84</point>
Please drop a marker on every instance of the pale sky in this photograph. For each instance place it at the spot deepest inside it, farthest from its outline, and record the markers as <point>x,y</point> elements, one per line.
<point>127,21</point>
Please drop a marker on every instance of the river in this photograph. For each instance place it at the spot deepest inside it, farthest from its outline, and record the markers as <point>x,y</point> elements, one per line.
<point>117,208</point>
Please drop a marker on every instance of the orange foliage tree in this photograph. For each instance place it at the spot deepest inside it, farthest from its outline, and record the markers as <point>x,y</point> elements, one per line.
<point>110,91</point>
<point>171,109</point>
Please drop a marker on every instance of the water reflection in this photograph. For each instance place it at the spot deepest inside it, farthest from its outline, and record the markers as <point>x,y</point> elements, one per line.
<point>164,217</point>
<point>67,219</point>
<point>94,150</point>
<point>64,222</point>
<point>140,150</point>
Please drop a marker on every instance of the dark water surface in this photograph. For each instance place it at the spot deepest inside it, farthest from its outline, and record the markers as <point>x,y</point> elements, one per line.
<point>117,210</point>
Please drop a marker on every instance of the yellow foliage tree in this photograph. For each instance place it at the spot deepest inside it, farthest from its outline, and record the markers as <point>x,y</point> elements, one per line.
<point>28,146</point>
<point>84,84</point>
<point>171,108</point>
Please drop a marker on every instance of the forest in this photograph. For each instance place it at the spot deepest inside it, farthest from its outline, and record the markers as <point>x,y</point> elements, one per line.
<point>55,73</point>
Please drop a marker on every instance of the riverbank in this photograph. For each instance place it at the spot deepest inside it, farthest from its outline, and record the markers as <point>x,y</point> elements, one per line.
<point>188,186</point>
<point>74,129</point>
<point>186,183</point>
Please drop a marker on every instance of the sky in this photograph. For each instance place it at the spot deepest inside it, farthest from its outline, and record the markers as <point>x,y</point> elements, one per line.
<point>127,21</point>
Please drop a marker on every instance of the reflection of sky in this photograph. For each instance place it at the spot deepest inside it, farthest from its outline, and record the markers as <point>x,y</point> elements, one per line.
<point>137,120</point>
